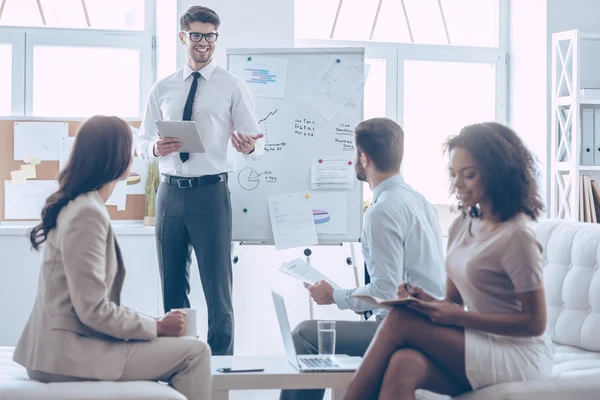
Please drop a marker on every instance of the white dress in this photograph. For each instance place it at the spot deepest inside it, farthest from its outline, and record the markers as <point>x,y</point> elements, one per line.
<point>489,271</point>
<point>491,359</point>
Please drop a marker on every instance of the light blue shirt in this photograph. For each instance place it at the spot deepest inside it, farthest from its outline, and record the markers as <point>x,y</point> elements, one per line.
<point>401,232</point>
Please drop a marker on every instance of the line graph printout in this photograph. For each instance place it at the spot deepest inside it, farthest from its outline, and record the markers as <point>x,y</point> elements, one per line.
<point>337,83</point>
<point>264,75</point>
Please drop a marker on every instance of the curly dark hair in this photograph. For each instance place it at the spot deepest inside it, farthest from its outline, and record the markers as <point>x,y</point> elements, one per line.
<point>507,168</point>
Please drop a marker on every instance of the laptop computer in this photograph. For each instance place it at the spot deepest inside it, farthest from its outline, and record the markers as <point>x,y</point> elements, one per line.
<point>309,363</point>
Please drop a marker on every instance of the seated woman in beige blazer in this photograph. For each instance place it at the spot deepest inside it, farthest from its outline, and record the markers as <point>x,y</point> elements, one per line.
<point>78,330</point>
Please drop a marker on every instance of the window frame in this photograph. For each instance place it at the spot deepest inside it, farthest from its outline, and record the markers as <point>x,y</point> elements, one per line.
<point>17,43</point>
<point>24,38</point>
<point>502,44</point>
<point>62,39</point>
<point>396,54</point>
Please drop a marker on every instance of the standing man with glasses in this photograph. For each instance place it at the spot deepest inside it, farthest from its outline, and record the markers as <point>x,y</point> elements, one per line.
<point>193,209</point>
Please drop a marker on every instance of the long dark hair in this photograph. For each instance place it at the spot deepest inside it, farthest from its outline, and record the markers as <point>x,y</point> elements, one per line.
<point>101,154</point>
<point>507,168</point>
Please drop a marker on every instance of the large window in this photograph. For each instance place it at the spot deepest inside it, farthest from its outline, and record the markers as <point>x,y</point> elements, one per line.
<point>96,53</point>
<point>450,22</point>
<point>435,66</point>
<point>441,97</point>
<point>92,14</point>
<point>5,79</point>
<point>53,66</point>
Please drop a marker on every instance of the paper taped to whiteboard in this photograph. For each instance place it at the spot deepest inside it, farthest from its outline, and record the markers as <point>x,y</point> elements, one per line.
<point>265,76</point>
<point>337,82</point>
<point>292,221</point>
<point>328,174</point>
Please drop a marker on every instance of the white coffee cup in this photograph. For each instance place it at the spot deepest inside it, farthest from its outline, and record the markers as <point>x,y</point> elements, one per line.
<point>191,321</point>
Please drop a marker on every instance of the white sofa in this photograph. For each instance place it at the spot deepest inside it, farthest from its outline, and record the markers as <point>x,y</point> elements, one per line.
<point>572,281</point>
<point>16,385</point>
<point>572,286</point>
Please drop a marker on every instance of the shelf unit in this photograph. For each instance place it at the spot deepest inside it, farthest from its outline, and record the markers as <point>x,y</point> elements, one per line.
<point>569,76</point>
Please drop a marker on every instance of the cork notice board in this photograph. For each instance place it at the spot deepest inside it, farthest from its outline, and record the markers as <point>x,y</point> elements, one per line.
<point>48,170</point>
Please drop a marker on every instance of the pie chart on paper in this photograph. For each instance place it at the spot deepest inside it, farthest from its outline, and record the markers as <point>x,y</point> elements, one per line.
<point>321,216</point>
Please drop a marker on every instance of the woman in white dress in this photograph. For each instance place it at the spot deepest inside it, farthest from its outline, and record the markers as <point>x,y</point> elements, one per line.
<point>490,327</point>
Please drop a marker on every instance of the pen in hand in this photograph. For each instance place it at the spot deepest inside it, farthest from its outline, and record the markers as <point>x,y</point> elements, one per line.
<point>407,281</point>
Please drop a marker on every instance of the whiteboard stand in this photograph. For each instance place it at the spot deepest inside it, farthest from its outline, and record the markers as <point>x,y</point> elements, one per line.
<point>307,253</point>
<point>233,256</point>
<point>353,263</point>
<point>349,260</point>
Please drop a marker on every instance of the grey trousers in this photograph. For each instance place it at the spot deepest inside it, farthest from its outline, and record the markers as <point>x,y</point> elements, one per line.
<point>352,338</point>
<point>183,362</point>
<point>197,218</point>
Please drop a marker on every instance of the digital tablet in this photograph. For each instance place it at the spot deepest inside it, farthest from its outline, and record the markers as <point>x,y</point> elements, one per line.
<point>184,131</point>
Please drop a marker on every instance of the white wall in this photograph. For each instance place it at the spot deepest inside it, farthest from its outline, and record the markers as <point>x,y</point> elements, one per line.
<point>527,88</point>
<point>532,23</point>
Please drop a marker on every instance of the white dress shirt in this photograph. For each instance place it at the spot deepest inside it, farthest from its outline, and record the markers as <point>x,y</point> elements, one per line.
<point>223,103</point>
<point>401,233</point>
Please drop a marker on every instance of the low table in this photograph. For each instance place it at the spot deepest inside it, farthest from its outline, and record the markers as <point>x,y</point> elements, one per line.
<point>278,374</point>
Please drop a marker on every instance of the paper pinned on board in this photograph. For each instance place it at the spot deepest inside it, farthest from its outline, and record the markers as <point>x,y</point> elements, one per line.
<point>136,181</point>
<point>335,84</point>
<point>118,197</point>
<point>352,106</point>
<point>64,151</point>
<point>135,132</point>
<point>265,76</point>
<point>25,201</point>
<point>332,174</point>
<point>18,177</point>
<point>292,220</point>
<point>29,170</point>
<point>38,140</point>
<point>304,272</point>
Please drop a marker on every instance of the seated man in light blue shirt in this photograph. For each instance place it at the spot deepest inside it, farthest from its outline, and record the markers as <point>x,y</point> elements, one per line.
<point>401,234</point>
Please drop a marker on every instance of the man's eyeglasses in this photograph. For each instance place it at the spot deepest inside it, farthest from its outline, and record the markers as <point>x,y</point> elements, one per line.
<point>210,37</point>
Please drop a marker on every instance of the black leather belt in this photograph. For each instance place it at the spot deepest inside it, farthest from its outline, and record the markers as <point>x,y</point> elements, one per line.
<point>190,182</point>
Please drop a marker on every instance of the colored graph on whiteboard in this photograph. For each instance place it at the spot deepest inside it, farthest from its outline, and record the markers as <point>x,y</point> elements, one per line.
<point>321,217</point>
<point>265,76</point>
<point>329,211</point>
<point>260,76</point>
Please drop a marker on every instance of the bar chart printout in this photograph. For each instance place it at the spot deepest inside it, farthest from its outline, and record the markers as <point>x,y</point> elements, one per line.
<point>265,76</point>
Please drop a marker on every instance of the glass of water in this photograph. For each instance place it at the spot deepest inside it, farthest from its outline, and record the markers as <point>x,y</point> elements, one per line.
<point>326,337</point>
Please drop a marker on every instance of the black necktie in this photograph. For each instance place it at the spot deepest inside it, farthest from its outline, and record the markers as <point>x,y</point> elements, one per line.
<point>187,110</point>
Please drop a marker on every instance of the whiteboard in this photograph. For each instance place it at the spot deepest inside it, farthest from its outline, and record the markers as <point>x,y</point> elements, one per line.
<point>295,138</point>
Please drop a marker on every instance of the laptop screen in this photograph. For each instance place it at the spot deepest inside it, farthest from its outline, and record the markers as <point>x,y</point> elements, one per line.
<point>286,333</point>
